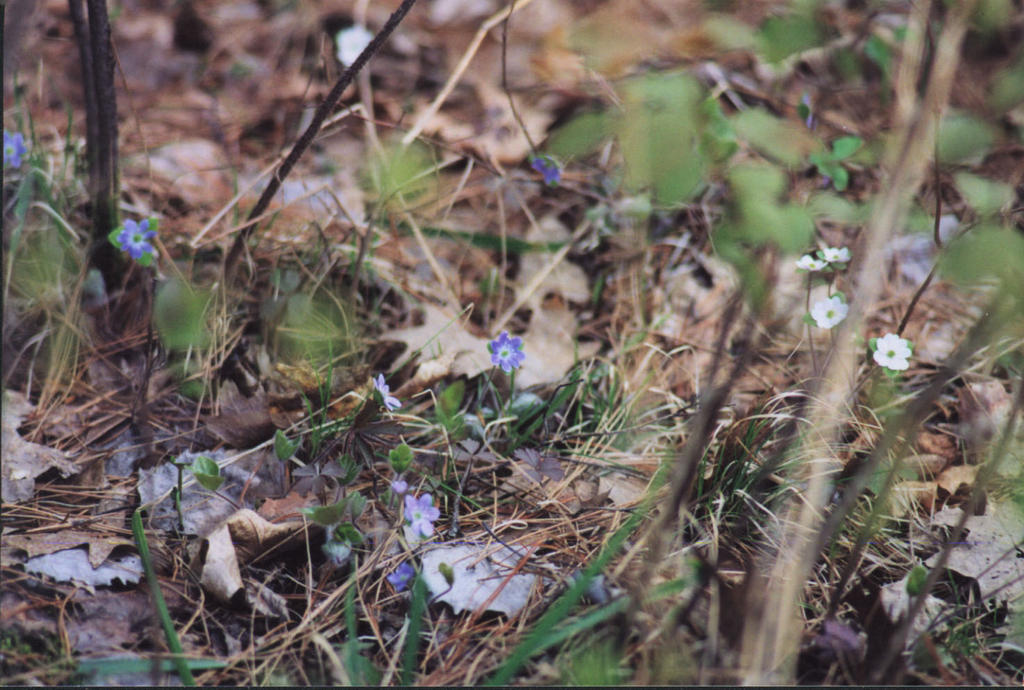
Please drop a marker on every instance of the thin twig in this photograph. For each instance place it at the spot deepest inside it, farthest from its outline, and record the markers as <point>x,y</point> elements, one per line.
<point>304,142</point>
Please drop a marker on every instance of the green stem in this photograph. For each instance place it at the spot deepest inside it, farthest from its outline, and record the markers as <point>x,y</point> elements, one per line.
<point>158,600</point>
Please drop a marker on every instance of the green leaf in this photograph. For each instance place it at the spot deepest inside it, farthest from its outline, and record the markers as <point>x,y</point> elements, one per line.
<point>786,141</point>
<point>356,504</point>
<point>963,138</point>
<point>984,254</point>
<point>400,458</point>
<point>349,469</point>
<point>207,473</point>
<point>284,448</point>
<point>836,208</point>
<point>780,37</point>
<point>659,138</point>
<point>179,315</point>
<point>878,52</point>
<point>916,580</point>
<point>329,515</point>
<point>450,400</point>
<point>984,196</point>
<point>844,147</point>
<point>840,178</point>
<point>580,136</point>
<point>347,532</point>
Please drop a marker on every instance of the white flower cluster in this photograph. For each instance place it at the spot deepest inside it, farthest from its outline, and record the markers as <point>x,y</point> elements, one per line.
<point>890,351</point>
<point>836,257</point>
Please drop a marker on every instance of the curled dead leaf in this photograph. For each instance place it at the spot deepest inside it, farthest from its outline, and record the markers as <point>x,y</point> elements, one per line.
<point>952,478</point>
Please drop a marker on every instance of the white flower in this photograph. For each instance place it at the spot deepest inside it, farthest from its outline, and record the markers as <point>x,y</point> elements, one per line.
<point>836,255</point>
<point>892,352</point>
<point>351,42</point>
<point>829,311</point>
<point>809,263</point>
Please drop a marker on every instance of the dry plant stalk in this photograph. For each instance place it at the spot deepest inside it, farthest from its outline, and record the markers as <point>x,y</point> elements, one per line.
<point>771,640</point>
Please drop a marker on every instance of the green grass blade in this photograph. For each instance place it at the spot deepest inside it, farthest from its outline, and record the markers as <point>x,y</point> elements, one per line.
<point>412,637</point>
<point>158,600</point>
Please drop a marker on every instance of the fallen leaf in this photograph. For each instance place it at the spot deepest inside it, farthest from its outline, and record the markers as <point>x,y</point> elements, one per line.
<point>480,573</point>
<point>952,478</point>
<point>427,374</point>
<point>73,565</point>
<point>242,422</point>
<point>545,465</point>
<point>896,603</point>
<point>990,553</point>
<point>220,574</point>
<point>22,461</point>
<point>100,545</point>
<point>253,536</point>
<point>108,621</point>
<point>984,407</point>
<point>442,335</point>
<point>197,169</point>
<point>925,465</point>
<point>908,496</point>
<point>622,490</point>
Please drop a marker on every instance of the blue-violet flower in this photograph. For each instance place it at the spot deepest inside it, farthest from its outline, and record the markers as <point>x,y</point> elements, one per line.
<point>14,148</point>
<point>547,167</point>
<point>390,401</point>
<point>134,238</point>
<point>420,513</point>
<point>402,576</point>
<point>507,352</point>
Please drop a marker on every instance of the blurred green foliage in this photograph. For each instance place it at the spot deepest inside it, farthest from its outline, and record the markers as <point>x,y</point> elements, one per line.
<point>179,315</point>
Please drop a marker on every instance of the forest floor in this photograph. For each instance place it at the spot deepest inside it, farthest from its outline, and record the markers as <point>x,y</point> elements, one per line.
<point>704,460</point>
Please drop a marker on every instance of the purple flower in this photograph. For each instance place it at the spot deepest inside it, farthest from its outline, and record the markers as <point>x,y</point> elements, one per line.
<point>14,148</point>
<point>809,121</point>
<point>399,486</point>
<point>134,238</point>
<point>420,513</point>
<point>390,401</point>
<point>547,167</point>
<point>402,576</point>
<point>507,352</point>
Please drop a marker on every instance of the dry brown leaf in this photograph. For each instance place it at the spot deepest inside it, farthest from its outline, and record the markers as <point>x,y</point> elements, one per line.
<point>984,407</point>
<point>908,496</point>
<point>22,461</point>
<point>100,545</point>
<point>242,422</point>
<point>952,478</point>
<point>427,374</point>
<point>989,553</point>
<point>254,536</point>
<point>926,465</point>
<point>289,506</point>
<point>444,335</point>
<point>624,491</point>
<point>220,574</point>
<point>937,444</point>
<point>482,577</point>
